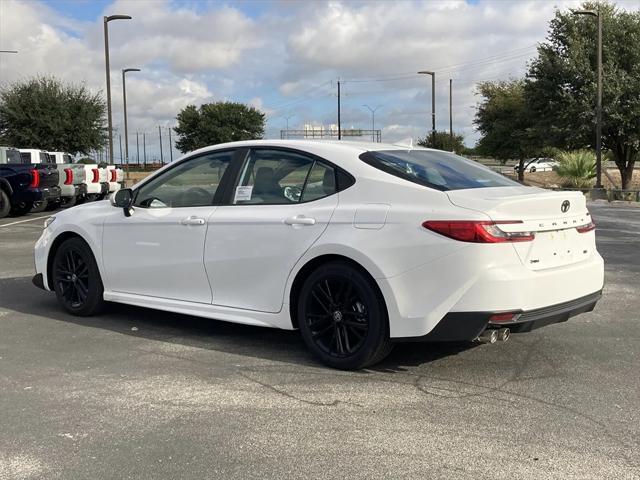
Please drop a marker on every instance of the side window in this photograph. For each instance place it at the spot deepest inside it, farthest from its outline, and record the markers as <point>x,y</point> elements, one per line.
<point>272,177</point>
<point>193,183</point>
<point>321,182</point>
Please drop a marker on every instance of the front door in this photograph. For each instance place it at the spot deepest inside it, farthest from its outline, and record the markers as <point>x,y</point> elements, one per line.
<point>281,204</point>
<point>158,250</point>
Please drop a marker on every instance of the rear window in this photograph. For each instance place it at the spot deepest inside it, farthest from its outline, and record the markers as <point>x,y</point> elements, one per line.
<point>440,170</point>
<point>13,156</point>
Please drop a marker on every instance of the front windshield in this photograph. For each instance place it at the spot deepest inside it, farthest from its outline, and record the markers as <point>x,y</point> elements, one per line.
<point>436,169</point>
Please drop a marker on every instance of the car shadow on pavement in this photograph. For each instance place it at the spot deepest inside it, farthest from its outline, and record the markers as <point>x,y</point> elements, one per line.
<point>19,295</point>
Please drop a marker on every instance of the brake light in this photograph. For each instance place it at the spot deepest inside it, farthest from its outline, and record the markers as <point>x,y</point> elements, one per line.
<point>96,175</point>
<point>113,176</point>
<point>477,231</point>
<point>586,228</point>
<point>35,178</point>
<point>68,176</point>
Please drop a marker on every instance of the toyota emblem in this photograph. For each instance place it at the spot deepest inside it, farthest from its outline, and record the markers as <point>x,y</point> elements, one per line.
<point>564,208</point>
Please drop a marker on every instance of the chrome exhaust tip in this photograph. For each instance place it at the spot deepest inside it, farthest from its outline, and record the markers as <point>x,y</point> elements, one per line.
<point>488,336</point>
<point>504,334</point>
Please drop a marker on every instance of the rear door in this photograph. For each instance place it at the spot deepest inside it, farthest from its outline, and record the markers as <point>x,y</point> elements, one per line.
<point>279,206</point>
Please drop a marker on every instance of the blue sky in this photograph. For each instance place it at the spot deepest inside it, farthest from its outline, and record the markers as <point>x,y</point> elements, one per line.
<point>283,57</point>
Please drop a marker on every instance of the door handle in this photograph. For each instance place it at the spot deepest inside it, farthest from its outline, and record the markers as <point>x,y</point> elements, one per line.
<point>300,220</point>
<point>192,221</point>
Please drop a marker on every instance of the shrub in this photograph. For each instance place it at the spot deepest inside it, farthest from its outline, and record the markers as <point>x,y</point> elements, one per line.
<point>577,169</point>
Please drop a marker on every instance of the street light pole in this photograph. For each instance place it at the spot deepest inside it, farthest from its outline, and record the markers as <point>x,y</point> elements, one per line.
<point>597,14</point>
<point>124,101</point>
<point>451,111</point>
<point>106,21</point>
<point>373,120</point>
<point>433,101</point>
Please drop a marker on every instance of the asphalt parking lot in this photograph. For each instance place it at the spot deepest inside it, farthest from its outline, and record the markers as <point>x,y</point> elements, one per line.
<point>137,393</point>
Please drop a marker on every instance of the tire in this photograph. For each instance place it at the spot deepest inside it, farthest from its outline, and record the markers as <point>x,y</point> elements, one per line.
<point>39,206</point>
<point>21,209</point>
<point>68,202</point>
<point>76,278</point>
<point>342,317</point>
<point>5,204</point>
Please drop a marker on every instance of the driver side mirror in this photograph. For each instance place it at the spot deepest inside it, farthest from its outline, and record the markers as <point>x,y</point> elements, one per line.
<point>123,198</point>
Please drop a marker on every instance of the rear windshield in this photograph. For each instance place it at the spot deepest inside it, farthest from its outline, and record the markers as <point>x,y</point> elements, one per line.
<point>13,156</point>
<point>435,169</point>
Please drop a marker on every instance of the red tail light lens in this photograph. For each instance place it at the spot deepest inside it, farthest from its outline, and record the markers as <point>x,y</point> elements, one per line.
<point>35,178</point>
<point>96,175</point>
<point>113,176</point>
<point>477,231</point>
<point>586,228</point>
<point>68,176</point>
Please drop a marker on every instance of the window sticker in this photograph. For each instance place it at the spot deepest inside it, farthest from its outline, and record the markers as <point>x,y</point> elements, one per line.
<point>243,194</point>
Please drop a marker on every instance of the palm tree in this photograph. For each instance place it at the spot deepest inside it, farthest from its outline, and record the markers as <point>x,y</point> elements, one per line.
<point>577,169</point>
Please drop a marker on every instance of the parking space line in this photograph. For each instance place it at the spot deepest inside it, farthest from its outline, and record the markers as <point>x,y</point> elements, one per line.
<point>23,221</point>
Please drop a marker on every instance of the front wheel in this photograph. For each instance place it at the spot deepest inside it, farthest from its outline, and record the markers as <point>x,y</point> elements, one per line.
<point>342,317</point>
<point>76,278</point>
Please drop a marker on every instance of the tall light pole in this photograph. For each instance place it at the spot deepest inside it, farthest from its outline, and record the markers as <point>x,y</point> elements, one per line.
<point>433,101</point>
<point>106,21</point>
<point>451,111</point>
<point>124,101</point>
<point>598,16</point>
<point>287,117</point>
<point>373,120</point>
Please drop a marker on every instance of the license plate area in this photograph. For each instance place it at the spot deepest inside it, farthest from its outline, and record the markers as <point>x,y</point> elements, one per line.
<point>553,249</point>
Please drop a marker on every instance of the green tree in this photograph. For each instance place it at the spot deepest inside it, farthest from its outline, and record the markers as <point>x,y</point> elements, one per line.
<point>219,122</point>
<point>444,141</point>
<point>577,169</point>
<point>561,84</point>
<point>504,121</point>
<point>45,113</point>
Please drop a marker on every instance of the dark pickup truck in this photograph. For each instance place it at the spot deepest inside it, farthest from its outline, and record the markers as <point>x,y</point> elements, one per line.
<point>21,185</point>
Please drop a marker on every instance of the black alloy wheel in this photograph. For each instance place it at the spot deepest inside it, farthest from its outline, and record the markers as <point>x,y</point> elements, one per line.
<point>76,279</point>
<point>342,317</point>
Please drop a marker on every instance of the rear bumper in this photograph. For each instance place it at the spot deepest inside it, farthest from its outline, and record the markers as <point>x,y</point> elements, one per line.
<point>466,326</point>
<point>77,190</point>
<point>51,194</point>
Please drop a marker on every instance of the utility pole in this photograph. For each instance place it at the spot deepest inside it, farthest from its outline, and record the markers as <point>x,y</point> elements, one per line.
<point>106,21</point>
<point>144,147</point>
<point>339,123</point>
<point>451,110</point>
<point>170,146</point>
<point>598,15</point>
<point>137,149</point>
<point>160,135</point>
<point>287,117</point>
<point>433,101</point>
<point>120,140</point>
<point>126,131</point>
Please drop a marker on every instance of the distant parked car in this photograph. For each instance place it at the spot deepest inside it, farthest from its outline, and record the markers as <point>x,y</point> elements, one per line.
<point>538,165</point>
<point>72,179</point>
<point>113,174</point>
<point>22,184</point>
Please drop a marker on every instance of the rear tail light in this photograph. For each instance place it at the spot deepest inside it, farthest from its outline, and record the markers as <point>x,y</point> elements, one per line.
<point>96,175</point>
<point>35,178</point>
<point>477,231</point>
<point>68,176</point>
<point>113,176</point>
<point>586,228</point>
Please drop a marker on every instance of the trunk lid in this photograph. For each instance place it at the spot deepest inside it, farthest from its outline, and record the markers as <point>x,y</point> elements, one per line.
<point>553,216</point>
<point>79,173</point>
<point>49,175</point>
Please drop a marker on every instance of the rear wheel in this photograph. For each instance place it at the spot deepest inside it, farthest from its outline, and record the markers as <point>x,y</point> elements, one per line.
<point>39,206</point>
<point>68,202</point>
<point>21,208</point>
<point>5,204</point>
<point>76,278</point>
<point>342,317</point>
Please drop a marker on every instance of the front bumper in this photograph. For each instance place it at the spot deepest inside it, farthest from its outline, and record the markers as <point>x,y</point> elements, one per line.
<point>466,326</point>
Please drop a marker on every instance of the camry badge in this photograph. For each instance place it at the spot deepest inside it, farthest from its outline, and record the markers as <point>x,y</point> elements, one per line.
<point>564,208</point>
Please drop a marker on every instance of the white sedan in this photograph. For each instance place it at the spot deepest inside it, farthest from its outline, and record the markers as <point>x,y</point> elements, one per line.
<point>357,245</point>
<point>538,165</point>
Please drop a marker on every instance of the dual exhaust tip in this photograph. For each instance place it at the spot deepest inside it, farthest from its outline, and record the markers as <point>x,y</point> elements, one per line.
<point>493,335</point>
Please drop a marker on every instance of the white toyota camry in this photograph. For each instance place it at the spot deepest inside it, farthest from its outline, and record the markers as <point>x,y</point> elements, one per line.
<point>357,245</point>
